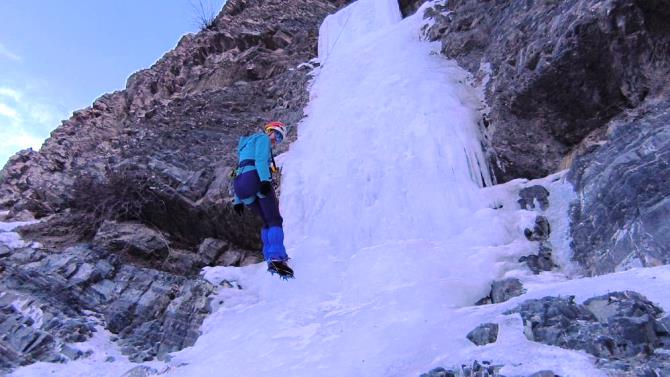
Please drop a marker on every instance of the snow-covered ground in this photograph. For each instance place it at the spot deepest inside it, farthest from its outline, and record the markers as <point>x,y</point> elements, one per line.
<point>8,236</point>
<point>392,235</point>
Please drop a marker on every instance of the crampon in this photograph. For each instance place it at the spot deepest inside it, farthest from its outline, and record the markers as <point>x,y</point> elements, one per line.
<point>280,268</point>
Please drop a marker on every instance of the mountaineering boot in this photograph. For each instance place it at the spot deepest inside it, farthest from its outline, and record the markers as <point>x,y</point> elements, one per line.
<point>280,267</point>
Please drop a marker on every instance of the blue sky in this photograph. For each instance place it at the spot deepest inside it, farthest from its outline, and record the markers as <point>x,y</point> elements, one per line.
<point>57,56</point>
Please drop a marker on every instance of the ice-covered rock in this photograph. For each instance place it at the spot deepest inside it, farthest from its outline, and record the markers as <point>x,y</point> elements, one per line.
<point>621,329</point>
<point>484,334</point>
<point>528,196</point>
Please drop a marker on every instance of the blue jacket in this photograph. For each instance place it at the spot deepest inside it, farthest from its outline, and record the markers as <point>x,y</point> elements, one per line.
<point>256,147</point>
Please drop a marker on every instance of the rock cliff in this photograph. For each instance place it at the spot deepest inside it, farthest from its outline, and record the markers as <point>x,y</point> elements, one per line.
<point>555,71</point>
<point>579,84</point>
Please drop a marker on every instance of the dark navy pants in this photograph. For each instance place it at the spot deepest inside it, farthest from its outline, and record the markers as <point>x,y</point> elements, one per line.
<point>247,185</point>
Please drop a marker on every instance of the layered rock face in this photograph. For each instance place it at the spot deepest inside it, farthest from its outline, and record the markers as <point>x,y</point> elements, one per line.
<point>621,218</point>
<point>53,300</point>
<point>555,71</point>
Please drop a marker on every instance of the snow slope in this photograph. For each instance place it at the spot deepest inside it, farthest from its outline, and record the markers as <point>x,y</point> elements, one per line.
<point>392,235</point>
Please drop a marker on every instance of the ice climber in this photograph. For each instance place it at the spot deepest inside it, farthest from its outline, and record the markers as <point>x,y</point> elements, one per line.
<point>253,188</point>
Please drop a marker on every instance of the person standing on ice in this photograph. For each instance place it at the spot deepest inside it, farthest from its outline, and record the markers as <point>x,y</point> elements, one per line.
<point>253,188</point>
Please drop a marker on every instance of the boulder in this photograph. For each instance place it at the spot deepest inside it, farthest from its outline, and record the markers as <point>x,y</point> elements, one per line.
<point>133,238</point>
<point>484,334</point>
<point>529,196</point>
<point>211,248</point>
<point>543,261</point>
<point>541,230</point>
<point>503,290</point>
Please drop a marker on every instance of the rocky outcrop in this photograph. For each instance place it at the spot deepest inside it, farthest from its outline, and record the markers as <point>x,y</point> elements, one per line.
<point>477,369</point>
<point>554,72</point>
<point>620,219</point>
<point>503,290</point>
<point>409,7</point>
<point>622,329</point>
<point>485,368</point>
<point>53,300</point>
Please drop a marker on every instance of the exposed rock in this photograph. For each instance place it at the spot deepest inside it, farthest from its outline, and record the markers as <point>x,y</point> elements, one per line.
<point>183,262</point>
<point>544,373</point>
<point>503,290</point>
<point>231,258</point>
<point>61,230</point>
<point>476,369</point>
<point>554,71</point>
<point>528,196</point>
<point>620,219</point>
<point>619,328</point>
<point>248,259</point>
<point>409,7</point>
<point>663,327</point>
<point>211,248</point>
<point>541,230</point>
<point>24,344</point>
<point>140,371</point>
<point>133,238</point>
<point>218,252</point>
<point>543,261</point>
<point>152,312</point>
<point>484,334</point>
<point>439,372</point>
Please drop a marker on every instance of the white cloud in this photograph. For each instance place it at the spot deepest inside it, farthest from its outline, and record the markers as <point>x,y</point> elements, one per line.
<point>4,51</point>
<point>9,112</point>
<point>45,115</point>
<point>16,141</point>
<point>10,93</point>
<point>25,120</point>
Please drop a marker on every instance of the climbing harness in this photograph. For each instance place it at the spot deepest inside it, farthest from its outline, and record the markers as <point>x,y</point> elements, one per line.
<point>244,163</point>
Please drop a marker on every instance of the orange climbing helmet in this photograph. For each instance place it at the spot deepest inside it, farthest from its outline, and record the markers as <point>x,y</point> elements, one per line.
<point>277,127</point>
